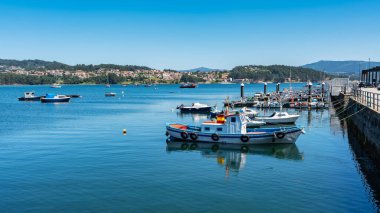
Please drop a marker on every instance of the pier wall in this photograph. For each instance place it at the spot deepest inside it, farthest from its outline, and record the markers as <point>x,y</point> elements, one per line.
<point>365,123</point>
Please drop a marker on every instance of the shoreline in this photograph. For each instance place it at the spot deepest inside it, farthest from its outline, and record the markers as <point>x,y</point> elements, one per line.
<point>141,84</point>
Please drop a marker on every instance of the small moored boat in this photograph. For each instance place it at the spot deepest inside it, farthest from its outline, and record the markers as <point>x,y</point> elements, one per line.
<point>249,112</point>
<point>232,129</point>
<point>195,107</point>
<point>74,96</point>
<point>188,85</point>
<point>278,118</point>
<point>55,86</point>
<point>110,94</point>
<point>253,123</point>
<point>30,96</point>
<point>53,98</point>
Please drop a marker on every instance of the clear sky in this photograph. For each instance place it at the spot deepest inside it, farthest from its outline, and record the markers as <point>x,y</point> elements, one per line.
<point>182,34</point>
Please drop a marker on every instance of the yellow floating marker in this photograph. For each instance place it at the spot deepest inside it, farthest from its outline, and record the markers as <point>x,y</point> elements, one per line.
<point>124,131</point>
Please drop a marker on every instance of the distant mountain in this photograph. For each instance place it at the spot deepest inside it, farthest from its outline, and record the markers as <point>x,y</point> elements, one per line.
<point>201,69</point>
<point>341,67</point>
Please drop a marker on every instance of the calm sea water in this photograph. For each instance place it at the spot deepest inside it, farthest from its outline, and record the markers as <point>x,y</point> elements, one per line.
<point>73,157</point>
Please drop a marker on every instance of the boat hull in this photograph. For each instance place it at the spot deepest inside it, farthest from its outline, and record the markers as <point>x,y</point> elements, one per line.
<point>30,99</point>
<point>188,87</point>
<point>255,124</point>
<point>55,100</point>
<point>288,136</point>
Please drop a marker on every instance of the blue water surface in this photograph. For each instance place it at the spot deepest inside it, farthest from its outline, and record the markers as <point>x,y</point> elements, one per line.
<point>73,157</point>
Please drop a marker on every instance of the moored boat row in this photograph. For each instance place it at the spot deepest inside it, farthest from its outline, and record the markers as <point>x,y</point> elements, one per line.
<point>48,98</point>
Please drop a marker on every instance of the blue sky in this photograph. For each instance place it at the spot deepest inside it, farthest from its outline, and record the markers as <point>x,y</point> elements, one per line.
<point>183,34</point>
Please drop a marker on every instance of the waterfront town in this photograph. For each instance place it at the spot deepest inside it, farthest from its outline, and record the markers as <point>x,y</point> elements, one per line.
<point>139,75</point>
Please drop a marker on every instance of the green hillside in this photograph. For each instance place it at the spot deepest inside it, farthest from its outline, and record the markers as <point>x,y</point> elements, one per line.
<point>276,73</point>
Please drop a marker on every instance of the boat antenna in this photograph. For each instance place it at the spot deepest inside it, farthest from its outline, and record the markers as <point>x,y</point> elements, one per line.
<point>227,105</point>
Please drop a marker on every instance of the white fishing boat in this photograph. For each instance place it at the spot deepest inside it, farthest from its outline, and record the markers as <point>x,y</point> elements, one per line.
<point>55,86</point>
<point>249,112</point>
<point>278,118</point>
<point>110,94</point>
<point>195,107</point>
<point>30,96</point>
<point>231,129</point>
<point>253,123</point>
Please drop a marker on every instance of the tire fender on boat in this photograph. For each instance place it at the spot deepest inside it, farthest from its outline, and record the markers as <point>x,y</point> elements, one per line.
<point>167,133</point>
<point>280,135</point>
<point>215,137</point>
<point>184,135</point>
<point>193,136</point>
<point>244,138</point>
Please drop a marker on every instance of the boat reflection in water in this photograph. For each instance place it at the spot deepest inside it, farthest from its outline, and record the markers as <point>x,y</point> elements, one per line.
<point>233,156</point>
<point>196,117</point>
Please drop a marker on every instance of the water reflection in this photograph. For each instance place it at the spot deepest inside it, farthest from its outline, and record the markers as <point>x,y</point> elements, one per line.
<point>366,155</point>
<point>233,156</point>
<point>196,117</point>
<point>364,152</point>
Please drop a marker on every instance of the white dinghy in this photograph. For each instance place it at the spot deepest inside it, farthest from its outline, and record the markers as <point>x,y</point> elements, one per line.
<point>278,118</point>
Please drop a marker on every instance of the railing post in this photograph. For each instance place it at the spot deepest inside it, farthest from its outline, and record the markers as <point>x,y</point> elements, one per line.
<point>373,100</point>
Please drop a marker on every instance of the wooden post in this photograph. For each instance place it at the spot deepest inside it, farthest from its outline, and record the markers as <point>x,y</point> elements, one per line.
<point>310,84</point>
<point>265,88</point>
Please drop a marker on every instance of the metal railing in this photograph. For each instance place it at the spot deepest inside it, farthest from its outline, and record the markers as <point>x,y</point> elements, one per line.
<point>369,99</point>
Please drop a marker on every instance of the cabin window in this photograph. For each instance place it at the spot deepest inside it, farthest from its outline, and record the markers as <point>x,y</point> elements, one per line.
<point>207,128</point>
<point>219,129</point>
<point>233,119</point>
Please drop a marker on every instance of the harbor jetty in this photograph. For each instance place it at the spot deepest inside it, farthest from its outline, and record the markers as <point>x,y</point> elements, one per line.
<point>309,97</point>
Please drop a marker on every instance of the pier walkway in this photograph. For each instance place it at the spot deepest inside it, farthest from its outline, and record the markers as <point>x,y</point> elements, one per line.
<point>369,97</point>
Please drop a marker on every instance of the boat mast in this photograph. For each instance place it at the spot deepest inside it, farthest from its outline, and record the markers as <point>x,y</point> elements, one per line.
<point>290,81</point>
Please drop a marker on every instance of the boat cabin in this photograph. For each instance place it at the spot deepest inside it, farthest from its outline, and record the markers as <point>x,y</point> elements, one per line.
<point>29,95</point>
<point>226,124</point>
